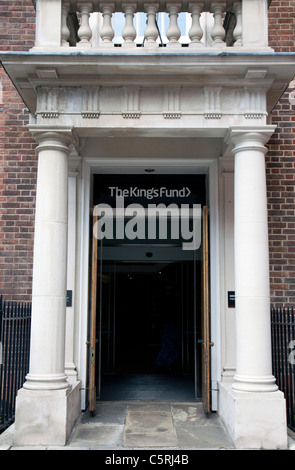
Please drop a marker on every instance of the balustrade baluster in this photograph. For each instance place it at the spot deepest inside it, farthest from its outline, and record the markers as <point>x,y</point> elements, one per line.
<point>107,32</point>
<point>218,31</point>
<point>65,32</point>
<point>151,31</point>
<point>196,32</point>
<point>173,32</point>
<point>84,32</point>
<point>238,31</point>
<point>129,32</point>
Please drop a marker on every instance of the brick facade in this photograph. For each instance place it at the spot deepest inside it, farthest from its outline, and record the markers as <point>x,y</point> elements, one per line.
<point>280,163</point>
<point>18,164</point>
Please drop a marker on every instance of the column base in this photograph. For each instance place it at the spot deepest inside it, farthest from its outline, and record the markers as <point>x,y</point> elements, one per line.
<point>46,417</point>
<point>248,383</point>
<point>254,420</point>
<point>71,372</point>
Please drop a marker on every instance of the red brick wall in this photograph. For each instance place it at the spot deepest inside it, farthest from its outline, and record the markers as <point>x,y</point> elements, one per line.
<point>17,161</point>
<point>280,164</point>
<point>282,25</point>
<point>281,204</point>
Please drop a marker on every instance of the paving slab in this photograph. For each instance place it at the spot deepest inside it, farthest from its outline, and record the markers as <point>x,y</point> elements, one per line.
<point>93,435</point>
<point>149,425</point>
<point>194,428</point>
<point>106,413</point>
<point>193,413</point>
<point>199,436</point>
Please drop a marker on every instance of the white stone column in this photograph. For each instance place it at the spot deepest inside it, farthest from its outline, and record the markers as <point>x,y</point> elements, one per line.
<point>252,407</point>
<point>42,415</point>
<point>47,354</point>
<point>254,363</point>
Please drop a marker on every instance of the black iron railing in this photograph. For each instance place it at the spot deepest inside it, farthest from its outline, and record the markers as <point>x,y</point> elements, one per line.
<point>283,356</point>
<point>15,326</point>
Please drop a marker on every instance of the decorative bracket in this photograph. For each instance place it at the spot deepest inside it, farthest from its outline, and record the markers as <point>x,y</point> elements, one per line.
<point>171,103</point>
<point>212,103</point>
<point>254,103</point>
<point>90,103</point>
<point>131,108</point>
<point>48,102</point>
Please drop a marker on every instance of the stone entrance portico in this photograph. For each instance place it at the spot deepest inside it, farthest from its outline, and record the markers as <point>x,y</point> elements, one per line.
<point>46,388</point>
<point>203,108</point>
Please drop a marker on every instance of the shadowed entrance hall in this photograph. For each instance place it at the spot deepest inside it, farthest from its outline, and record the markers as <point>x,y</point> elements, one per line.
<point>159,387</point>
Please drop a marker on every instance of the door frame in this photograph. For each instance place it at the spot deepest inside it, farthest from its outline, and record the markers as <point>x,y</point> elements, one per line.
<point>92,166</point>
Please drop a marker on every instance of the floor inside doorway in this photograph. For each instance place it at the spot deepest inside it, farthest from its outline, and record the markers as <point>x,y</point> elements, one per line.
<point>159,387</point>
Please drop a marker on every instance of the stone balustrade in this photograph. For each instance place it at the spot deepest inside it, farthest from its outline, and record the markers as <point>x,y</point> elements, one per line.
<point>195,24</point>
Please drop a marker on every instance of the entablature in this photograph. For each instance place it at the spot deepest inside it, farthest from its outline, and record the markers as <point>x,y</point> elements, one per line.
<point>150,103</point>
<point>252,77</point>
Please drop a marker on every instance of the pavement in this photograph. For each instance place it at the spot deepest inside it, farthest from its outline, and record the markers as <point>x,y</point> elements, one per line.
<point>143,426</point>
<point>151,425</point>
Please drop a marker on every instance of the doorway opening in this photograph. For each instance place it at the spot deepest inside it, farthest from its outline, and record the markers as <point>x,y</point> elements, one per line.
<point>148,325</point>
<point>150,331</point>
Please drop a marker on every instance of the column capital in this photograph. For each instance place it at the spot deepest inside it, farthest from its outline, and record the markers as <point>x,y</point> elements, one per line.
<point>54,137</point>
<point>247,137</point>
